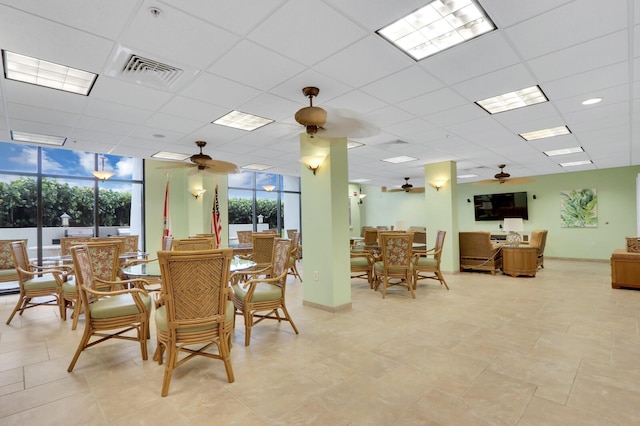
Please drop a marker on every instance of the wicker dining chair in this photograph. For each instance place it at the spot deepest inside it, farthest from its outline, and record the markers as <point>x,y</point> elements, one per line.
<point>258,295</point>
<point>395,267</point>
<point>244,237</point>
<point>362,265</point>
<point>195,308</point>
<point>105,260</point>
<point>36,282</point>
<point>293,259</point>
<point>429,262</point>
<point>109,314</point>
<point>8,270</point>
<point>262,249</point>
<point>190,244</point>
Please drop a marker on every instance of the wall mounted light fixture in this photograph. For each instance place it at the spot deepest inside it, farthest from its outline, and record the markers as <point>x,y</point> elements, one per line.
<point>361,196</point>
<point>198,192</point>
<point>312,162</point>
<point>437,185</point>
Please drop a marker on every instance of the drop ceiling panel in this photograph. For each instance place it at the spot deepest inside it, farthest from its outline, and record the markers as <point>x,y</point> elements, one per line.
<point>610,49</point>
<point>306,32</point>
<point>568,25</point>
<point>26,112</point>
<point>105,126</point>
<point>502,81</point>
<point>193,109</point>
<point>429,103</point>
<point>509,13</point>
<point>51,41</point>
<point>451,116</point>
<point>270,106</point>
<point>487,53</point>
<point>43,97</point>
<point>365,61</point>
<point>172,123</point>
<point>236,16</point>
<point>375,14</point>
<point>353,103</point>
<point>219,91</point>
<point>95,17</point>
<point>116,112</point>
<point>291,89</point>
<point>174,34</point>
<point>113,90</point>
<point>403,85</point>
<point>242,62</point>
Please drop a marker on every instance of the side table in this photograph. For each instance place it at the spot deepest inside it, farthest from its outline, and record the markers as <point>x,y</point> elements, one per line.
<point>625,269</point>
<point>521,260</point>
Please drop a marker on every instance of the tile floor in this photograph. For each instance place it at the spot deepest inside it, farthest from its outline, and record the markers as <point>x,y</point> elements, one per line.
<point>558,349</point>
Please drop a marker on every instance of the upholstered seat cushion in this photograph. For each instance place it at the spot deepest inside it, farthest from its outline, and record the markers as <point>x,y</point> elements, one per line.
<point>70,287</point>
<point>426,261</point>
<point>7,272</point>
<point>161,318</point>
<point>264,292</point>
<point>117,306</point>
<point>379,268</point>
<point>39,283</point>
<point>360,261</point>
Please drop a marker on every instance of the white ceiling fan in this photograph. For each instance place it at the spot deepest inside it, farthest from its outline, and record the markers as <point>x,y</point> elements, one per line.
<point>406,187</point>
<point>204,163</point>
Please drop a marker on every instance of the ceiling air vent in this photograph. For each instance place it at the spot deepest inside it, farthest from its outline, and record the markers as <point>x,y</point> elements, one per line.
<point>142,68</point>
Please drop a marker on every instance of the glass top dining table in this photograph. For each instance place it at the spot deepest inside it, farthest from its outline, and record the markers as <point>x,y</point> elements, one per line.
<point>152,268</point>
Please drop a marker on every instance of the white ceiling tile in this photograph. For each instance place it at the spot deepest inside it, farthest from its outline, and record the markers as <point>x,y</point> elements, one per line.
<point>568,25</point>
<point>400,86</point>
<point>112,90</point>
<point>177,35</point>
<point>365,61</point>
<point>219,91</point>
<point>243,60</point>
<point>432,102</point>
<point>306,32</point>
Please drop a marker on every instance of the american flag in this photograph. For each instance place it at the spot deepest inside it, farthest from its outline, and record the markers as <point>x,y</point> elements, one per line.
<point>166,224</point>
<point>216,226</point>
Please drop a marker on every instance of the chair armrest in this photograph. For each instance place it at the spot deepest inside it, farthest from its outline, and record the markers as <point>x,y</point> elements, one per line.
<point>125,284</point>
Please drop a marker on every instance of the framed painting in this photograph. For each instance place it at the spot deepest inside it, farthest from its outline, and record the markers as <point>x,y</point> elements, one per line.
<point>579,208</point>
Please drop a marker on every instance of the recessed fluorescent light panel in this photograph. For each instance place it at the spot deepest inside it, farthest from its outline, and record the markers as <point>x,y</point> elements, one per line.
<point>242,121</point>
<point>165,155</point>
<point>257,167</point>
<point>401,159</point>
<point>359,180</point>
<point>513,100</point>
<point>353,144</point>
<point>545,133</point>
<point>36,138</point>
<point>563,151</point>
<point>576,163</point>
<point>47,74</point>
<point>466,176</point>
<point>437,26</point>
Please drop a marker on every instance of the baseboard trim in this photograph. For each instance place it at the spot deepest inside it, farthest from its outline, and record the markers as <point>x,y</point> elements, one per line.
<point>332,309</point>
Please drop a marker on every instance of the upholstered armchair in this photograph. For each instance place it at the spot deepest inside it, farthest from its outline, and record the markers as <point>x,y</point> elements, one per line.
<point>478,252</point>
<point>539,240</point>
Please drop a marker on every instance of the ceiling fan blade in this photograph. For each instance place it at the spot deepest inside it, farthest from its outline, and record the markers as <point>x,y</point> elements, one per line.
<point>176,166</point>
<point>218,166</point>
<point>339,125</point>
<point>417,190</point>
<point>519,180</point>
<point>384,189</point>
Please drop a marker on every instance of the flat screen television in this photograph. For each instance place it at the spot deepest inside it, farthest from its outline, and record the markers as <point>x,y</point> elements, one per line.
<point>499,206</point>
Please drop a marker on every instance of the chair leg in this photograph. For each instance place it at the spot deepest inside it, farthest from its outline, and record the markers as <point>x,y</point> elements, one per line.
<point>143,332</point>
<point>248,323</point>
<point>18,307</point>
<point>168,369</point>
<point>225,355</point>
<point>83,343</point>
<point>288,317</point>
<point>441,278</point>
<point>77,310</point>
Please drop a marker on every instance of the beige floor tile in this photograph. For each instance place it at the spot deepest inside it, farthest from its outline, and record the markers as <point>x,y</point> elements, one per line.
<point>492,350</point>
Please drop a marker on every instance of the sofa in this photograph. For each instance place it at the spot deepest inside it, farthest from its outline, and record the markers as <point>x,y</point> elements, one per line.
<point>478,252</point>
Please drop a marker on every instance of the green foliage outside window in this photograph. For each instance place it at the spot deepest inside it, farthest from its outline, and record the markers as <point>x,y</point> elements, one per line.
<point>18,204</point>
<point>240,211</point>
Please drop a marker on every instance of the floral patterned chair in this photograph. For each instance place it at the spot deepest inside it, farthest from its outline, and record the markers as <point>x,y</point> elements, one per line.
<point>258,295</point>
<point>8,270</point>
<point>395,266</point>
<point>105,261</point>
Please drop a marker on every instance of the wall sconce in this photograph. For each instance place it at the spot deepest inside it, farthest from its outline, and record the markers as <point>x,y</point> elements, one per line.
<point>361,196</point>
<point>65,219</point>
<point>437,185</point>
<point>312,162</point>
<point>198,192</point>
<point>102,174</point>
<point>268,188</point>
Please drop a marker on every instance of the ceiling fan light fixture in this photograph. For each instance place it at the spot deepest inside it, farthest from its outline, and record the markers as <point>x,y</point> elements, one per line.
<point>102,174</point>
<point>311,117</point>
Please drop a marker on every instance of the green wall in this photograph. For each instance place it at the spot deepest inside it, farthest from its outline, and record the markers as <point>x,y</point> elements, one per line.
<point>616,190</point>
